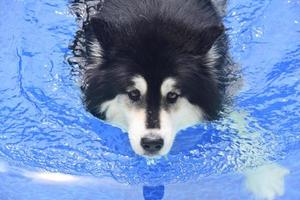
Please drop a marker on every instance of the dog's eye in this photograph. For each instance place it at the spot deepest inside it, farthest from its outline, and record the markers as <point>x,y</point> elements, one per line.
<point>172,97</point>
<point>134,95</point>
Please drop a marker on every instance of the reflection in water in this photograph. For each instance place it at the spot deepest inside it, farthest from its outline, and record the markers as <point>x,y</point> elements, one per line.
<point>153,192</point>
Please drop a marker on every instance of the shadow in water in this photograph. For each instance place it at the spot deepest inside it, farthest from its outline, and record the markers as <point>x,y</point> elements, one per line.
<point>153,192</point>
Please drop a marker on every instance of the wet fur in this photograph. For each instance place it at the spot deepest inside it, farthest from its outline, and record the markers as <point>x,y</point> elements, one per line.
<point>133,37</point>
<point>156,39</point>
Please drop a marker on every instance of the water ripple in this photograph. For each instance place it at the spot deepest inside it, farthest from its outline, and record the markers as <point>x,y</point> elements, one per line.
<point>44,125</point>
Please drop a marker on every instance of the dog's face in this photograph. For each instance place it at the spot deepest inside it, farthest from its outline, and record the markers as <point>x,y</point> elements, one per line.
<point>153,78</point>
<point>151,116</point>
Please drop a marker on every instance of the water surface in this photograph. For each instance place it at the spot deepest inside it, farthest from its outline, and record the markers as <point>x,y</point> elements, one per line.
<point>44,126</point>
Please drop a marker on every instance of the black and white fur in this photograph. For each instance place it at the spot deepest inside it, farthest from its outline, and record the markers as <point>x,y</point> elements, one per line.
<point>158,66</point>
<point>155,67</point>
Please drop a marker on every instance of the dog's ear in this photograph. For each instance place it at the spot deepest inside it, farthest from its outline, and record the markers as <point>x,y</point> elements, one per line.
<point>102,30</point>
<point>208,37</point>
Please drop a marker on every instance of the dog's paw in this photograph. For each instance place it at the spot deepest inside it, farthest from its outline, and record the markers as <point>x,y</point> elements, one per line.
<point>267,181</point>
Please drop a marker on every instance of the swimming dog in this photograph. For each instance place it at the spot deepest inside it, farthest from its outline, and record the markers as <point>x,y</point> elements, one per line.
<point>155,67</point>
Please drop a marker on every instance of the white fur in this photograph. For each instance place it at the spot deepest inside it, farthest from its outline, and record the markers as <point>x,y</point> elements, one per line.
<point>137,129</point>
<point>211,58</point>
<point>140,84</point>
<point>116,111</point>
<point>122,112</point>
<point>95,50</point>
<point>212,54</point>
<point>185,114</point>
<point>182,113</point>
<point>221,6</point>
<point>267,181</point>
<point>168,85</point>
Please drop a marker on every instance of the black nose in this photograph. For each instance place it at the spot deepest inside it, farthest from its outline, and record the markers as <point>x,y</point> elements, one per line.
<point>152,145</point>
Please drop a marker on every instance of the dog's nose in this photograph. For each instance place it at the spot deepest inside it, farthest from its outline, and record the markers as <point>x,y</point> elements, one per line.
<point>152,145</point>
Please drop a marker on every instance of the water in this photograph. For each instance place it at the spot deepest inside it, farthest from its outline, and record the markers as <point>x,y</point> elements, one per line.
<point>45,128</point>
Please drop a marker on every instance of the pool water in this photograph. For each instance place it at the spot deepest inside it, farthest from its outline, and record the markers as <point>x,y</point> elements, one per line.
<point>51,148</point>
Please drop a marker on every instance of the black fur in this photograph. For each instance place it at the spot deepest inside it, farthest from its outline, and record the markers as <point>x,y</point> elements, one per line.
<point>156,39</point>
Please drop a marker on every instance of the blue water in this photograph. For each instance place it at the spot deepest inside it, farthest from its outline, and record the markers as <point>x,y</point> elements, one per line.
<point>44,126</point>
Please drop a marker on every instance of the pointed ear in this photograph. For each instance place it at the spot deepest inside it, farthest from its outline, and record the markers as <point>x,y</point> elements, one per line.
<point>102,30</point>
<point>208,37</point>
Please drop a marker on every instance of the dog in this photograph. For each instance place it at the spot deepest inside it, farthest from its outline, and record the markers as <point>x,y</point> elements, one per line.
<point>155,67</point>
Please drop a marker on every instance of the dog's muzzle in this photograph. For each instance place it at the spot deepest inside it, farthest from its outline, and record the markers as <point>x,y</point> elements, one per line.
<point>152,145</point>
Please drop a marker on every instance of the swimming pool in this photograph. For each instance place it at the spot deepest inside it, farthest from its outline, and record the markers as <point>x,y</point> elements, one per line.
<point>51,148</point>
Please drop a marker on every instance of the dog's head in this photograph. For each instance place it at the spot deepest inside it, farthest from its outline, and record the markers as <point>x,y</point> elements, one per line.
<point>153,76</point>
